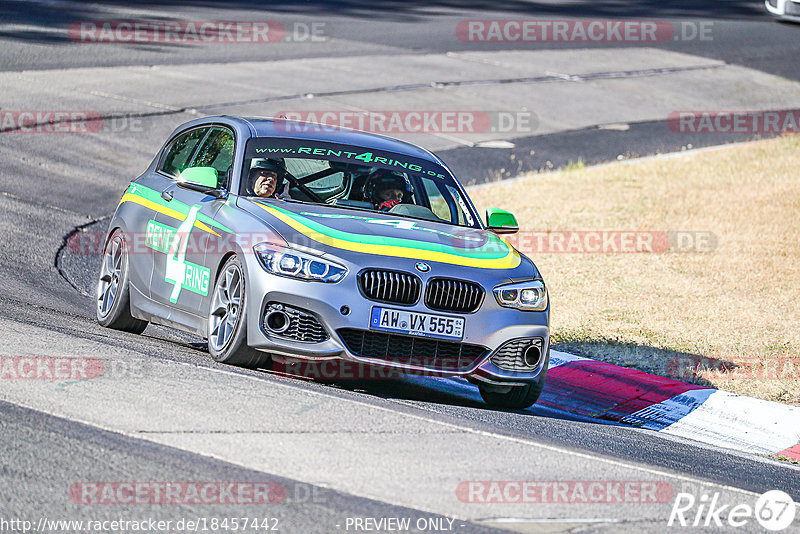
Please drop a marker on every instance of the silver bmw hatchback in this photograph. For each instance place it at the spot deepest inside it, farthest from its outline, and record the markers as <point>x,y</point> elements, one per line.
<point>284,241</point>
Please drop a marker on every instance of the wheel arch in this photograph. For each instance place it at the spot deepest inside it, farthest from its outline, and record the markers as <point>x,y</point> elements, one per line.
<point>225,257</point>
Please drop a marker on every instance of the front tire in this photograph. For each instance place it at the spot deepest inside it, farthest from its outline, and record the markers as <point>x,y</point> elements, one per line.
<point>517,398</point>
<point>113,307</point>
<point>227,320</point>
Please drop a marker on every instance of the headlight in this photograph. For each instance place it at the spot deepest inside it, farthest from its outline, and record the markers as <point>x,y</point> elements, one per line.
<point>294,264</point>
<point>528,296</point>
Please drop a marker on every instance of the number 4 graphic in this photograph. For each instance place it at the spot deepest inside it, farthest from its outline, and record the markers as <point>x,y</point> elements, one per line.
<point>176,257</point>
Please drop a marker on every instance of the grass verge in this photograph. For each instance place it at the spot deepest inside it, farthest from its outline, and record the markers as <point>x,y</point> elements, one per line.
<point>720,306</point>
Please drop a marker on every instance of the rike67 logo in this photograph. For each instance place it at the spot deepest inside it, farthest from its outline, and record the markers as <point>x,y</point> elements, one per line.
<point>774,510</point>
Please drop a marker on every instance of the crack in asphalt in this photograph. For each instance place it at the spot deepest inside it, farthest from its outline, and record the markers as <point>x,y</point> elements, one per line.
<point>40,204</point>
<point>63,247</point>
<point>548,78</point>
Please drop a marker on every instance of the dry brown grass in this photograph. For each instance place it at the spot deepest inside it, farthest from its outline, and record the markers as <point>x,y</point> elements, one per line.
<point>729,318</point>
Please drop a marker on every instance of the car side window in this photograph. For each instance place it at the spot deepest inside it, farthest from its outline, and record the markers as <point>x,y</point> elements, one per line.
<point>179,152</point>
<point>438,204</point>
<point>217,152</point>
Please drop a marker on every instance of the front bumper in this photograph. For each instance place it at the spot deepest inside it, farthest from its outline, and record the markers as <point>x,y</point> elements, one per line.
<point>490,327</point>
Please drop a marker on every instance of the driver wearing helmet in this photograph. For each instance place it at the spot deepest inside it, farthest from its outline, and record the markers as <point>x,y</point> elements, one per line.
<point>386,189</point>
<point>267,178</point>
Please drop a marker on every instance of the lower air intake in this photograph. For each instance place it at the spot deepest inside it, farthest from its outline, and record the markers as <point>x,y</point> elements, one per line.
<point>413,351</point>
<point>302,326</point>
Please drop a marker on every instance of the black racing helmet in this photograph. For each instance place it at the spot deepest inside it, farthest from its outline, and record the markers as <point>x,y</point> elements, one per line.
<point>383,179</point>
<point>275,165</point>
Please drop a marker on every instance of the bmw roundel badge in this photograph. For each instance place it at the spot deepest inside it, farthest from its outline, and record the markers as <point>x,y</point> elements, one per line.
<point>422,267</point>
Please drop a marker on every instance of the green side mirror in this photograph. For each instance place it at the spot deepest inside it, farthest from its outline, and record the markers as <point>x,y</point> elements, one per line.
<point>199,176</point>
<point>501,222</point>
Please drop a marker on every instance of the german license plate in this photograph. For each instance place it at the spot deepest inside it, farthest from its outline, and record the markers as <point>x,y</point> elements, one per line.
<point>416,324</point>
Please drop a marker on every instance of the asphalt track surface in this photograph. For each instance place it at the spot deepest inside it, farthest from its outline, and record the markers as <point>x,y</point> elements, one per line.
<point>50,185</point>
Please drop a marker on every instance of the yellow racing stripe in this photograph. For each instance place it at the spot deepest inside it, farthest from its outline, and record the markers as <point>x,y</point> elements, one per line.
<point>509,261</point>
<point>169,212</point>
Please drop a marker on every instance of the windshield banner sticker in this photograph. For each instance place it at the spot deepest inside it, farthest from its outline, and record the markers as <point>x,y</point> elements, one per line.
<point>293,148</point>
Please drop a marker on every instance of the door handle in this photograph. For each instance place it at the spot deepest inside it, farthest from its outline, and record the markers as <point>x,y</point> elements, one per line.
<point>167,195</point>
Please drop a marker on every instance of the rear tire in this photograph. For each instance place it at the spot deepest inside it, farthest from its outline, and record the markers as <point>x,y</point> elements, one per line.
<point>227,320</point>
<point>519,398</point>
<point>113,307</point>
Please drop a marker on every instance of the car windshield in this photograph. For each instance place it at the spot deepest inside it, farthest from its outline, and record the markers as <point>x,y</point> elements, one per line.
<point>356,178</point>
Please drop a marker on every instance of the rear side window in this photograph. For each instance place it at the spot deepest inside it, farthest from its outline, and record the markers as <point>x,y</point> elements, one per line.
<point>217,152</point>
<point>179,152</point>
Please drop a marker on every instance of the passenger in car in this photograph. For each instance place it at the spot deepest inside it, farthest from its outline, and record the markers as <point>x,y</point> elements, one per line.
<point>386,189</point>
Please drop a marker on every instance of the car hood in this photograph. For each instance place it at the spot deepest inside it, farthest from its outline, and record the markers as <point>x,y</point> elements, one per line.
<point>346,232</point>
